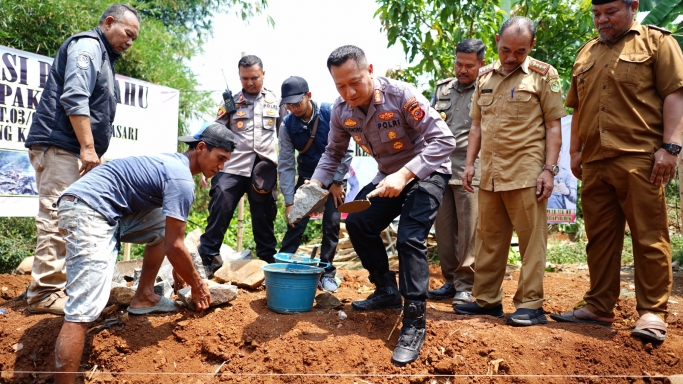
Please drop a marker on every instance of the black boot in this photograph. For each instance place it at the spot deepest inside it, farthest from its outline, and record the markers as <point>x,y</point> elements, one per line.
<point>386,295</point>
<point>412,333</point>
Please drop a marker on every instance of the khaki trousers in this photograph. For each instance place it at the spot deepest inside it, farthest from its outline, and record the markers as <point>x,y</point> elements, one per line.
<point>56,169</point>
<point>499,213</point>
<point>616,191</point>
<point>455,225</point>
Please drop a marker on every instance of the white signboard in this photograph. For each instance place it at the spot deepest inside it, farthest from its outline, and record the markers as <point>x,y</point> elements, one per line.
<point>146,123</point>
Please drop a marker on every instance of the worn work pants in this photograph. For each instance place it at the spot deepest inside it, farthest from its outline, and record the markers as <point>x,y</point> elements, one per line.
<point>417,206</point>
<point>56,169</point>
<point>615,191</point>
<point>226,191</point>
<point>456,225</point>
<point>500,212</point>
<point>328,247</point>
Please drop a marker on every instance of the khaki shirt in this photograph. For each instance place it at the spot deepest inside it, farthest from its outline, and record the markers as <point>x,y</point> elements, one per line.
<point>513,110</point>
<point>255,127</point>
<point>399,130</point>
<point>454,104</point>
<point>619,91</point>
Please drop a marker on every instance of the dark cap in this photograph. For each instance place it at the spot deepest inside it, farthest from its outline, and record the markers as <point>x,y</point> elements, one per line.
<point>214,134</point>
<point>293,90</point>
<point>263,179</point>
<point>598,2</point>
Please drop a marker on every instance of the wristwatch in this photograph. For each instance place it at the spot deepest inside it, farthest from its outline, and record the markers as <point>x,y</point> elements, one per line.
<point>672,148</point>
<point>338,182</point>
<point>554,169</point>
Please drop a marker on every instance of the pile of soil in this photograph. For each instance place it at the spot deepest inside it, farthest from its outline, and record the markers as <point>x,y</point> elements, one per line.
<point>244,342</point>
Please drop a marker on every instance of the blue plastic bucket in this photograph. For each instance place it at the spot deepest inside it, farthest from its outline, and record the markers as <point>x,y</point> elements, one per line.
<point>291,288</point>
<point>298,258</point>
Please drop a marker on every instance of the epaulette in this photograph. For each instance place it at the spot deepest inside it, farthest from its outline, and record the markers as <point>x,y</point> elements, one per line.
<point>485,70</point>
<point>658,28</point>
<point>586,43</point>
<point>539,66</point>
<point>444,81</point>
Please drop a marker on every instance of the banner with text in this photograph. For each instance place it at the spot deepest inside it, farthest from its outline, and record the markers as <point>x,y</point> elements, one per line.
<point>146,123</point>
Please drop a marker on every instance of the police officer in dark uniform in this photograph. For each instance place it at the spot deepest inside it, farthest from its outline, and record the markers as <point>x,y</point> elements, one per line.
<point>251,169</point>
<point>394,123</point>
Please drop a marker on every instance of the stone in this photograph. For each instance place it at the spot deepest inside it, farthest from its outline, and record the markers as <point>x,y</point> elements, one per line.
<point>121,295</point>
<point>197,261</point>
<point>220,294</point>
<point>243,273</point>
<point>234,256</point>
<point>307,200</point>
<point>226,250</point>
<point>164,288</point>
<point>25,266</point>
<point>327,300</point>
<point>192,240</point>
<point>125,270</point>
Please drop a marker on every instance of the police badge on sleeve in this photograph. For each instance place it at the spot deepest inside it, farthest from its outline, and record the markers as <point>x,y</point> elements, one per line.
<point>84,59</point>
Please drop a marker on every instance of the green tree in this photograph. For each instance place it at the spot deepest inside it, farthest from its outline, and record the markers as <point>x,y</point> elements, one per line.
<point>170,35</point>
<point>430,30</point>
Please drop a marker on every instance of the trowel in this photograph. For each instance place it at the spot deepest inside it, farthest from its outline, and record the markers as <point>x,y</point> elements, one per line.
<point>359,205</point>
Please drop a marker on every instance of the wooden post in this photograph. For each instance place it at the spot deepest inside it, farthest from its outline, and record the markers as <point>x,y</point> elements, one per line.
<point>126,251</point>
<point>240,214</point>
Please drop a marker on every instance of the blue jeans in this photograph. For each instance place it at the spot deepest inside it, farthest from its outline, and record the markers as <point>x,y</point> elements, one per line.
<point>91,250</point>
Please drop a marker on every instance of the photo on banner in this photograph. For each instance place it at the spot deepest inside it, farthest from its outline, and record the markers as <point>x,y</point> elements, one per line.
<point>146,123</point>
<point>562,203</point>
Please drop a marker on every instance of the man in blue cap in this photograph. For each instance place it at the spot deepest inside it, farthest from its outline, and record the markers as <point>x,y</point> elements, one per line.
<point>306,129</point>
<point>143,200</point>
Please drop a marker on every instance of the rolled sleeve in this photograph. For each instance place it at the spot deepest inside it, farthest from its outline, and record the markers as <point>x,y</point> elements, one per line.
<point>83,63</point>
<point>669,61</point>
<point>285,165</point>
<point>437,135</point>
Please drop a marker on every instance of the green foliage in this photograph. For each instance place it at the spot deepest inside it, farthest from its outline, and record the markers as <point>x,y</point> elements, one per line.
<point>567,252</point>
<point>430,30</point>
<point>171,32</point>
<point>17,241</point>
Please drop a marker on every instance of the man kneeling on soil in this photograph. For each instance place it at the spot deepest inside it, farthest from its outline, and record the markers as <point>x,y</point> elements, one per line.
<point>143,200</point>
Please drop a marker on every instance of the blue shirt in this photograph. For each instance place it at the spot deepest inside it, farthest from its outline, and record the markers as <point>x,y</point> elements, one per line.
<point>138,183</point>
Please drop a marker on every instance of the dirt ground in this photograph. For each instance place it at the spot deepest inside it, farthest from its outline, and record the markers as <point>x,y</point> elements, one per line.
<point>244,342</point>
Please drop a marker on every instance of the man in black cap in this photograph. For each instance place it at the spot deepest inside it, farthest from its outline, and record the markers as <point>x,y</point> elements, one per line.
<point>252,168</point>
<point>142,200</point>
<point>626,91</point>
<point>306,129</point>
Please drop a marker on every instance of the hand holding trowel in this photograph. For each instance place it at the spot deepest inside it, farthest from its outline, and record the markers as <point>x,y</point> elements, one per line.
<point>359,205</point>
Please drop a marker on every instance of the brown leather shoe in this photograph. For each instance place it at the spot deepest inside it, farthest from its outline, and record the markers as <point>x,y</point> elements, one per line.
<point>53,303</point>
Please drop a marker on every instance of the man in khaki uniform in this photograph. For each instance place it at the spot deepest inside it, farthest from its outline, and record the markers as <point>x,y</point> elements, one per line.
<point>516,122</point>
<point>457,218</point>
<point>627,93</point>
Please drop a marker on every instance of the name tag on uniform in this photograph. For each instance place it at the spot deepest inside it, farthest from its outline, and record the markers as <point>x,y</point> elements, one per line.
<point>487,90</point>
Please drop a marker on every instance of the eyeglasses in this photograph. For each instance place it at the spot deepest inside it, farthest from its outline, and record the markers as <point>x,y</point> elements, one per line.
<point>298,105</point>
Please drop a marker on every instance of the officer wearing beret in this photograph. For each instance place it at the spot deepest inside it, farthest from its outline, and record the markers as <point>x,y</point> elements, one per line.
<point>456,221</point>
<point>252,168</point>
<point>516,123</point>
<point>627,92</point>
<point>306,130</point>
<point>391,121</point>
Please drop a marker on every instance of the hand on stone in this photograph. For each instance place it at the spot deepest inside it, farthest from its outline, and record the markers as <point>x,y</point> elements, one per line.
<point>201,297</point>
